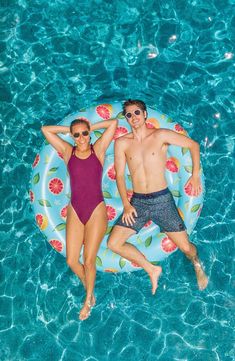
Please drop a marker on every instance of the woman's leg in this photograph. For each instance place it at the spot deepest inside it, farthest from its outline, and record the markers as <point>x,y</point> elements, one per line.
<point>95,230</point>
<point>74,241</point>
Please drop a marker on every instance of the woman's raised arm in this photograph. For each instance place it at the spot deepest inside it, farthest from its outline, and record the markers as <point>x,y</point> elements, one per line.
<point>103,142</point>
<point>51,134</point>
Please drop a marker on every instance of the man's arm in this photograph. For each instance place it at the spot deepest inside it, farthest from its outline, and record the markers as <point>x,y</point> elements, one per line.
<point>120,164</point>
<point>173,138</point>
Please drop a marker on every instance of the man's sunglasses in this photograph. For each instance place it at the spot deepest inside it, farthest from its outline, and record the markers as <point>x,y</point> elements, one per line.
<point>129,115</point>
<point>85,133</point>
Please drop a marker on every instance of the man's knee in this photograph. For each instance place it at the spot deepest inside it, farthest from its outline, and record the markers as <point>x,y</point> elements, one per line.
<point>189,249</point>
<point>112,244</point>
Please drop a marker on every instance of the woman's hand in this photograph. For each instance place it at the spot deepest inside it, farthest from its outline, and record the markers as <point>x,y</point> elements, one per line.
<point>128,215</point>
<point>193,187</point>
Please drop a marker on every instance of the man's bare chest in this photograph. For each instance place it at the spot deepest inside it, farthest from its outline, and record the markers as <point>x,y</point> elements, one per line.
<point>147,153</point>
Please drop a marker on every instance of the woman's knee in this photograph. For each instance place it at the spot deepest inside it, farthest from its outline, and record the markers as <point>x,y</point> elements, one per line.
<point>71,262</point>
<point>89,263</point>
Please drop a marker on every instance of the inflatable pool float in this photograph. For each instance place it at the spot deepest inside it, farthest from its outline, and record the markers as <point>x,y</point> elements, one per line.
<point>50,191</point>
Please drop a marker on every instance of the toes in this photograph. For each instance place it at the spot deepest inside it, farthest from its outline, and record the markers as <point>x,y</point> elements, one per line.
<point>85,312</point>
<point>84,316</point>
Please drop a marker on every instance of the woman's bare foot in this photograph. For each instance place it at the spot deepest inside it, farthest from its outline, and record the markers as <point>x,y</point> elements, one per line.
<point>154,276</point>
<point>93,300</point>
<point>85,311</point>
<point>202,279</point>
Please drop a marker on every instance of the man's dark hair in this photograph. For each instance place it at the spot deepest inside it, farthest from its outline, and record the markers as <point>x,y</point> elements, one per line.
<point>137,102</point>
<point>79,121</point>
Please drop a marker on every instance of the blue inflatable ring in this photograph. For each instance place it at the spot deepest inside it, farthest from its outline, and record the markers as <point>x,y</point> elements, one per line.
<point>50,191</point>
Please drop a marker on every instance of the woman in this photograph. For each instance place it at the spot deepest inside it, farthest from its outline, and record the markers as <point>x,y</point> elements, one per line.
<point>86,216</point>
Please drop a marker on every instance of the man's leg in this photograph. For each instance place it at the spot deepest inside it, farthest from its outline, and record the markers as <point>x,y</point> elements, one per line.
<point>117,243</point>
<point>182,242</point>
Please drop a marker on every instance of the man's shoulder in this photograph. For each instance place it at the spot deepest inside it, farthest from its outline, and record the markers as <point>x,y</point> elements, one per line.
<point>153,132</point>
<point>124,138</point>
<point>159,131</point>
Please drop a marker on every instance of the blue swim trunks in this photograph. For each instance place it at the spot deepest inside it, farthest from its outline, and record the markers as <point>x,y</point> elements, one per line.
<point>158,207</point>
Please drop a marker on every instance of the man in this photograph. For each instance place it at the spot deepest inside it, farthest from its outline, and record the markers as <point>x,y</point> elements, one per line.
<point>144,150</point>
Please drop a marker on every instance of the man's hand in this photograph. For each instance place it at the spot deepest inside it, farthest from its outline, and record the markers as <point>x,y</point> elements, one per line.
<point>193,187</point>
<point>128,215</point>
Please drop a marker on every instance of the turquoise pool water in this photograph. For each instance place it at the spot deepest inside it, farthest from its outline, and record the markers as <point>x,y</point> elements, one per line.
<point>178,56</point>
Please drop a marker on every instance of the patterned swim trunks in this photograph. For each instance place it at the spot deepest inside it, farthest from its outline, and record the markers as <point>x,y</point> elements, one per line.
<point>158,207</point>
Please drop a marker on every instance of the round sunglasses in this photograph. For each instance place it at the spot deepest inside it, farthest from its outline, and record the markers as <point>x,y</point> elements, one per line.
<point>85,133</point>
<point>129,115</point>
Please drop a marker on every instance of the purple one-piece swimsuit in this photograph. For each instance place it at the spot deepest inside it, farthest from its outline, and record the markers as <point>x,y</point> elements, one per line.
<point>85,183</point>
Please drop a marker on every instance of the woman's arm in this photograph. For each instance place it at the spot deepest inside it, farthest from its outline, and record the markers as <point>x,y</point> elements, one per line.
<point>103,142</point>
<point>50,132</point>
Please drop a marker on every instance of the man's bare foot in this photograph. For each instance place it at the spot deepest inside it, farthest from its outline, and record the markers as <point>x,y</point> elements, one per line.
<point>154,276</point>
<point>202,279</point>
<point>85,311</point>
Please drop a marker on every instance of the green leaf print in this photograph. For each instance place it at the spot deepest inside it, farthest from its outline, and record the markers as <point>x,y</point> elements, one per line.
<point>169,120</point>
<point>139,241</point>
<point>104,254</point>
<point>176,194</point>
<point>148,241</point>
<point>176,180</point>
<point>47,159</point>
<point>44,203</point>
<point>36,178</point>
<point>120,116</point>
<point>97,134</point>
<point>184,150</point>
<point>60,227</point>
<point>188,168</point>
<point>109,229</point>
<point>195,208</point>
<point>52,170</point>
<point>186,205</point>
<point>98,261</point>
<point>122,262</point>
<point>106,194</point>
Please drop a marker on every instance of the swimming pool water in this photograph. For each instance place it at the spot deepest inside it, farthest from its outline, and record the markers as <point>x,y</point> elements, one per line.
<point>56,58</point>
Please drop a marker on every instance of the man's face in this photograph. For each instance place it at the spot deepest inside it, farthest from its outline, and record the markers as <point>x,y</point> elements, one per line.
<point>135,116</point>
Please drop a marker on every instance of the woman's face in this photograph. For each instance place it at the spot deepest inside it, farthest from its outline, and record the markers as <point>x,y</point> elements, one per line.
<point>81,134</point>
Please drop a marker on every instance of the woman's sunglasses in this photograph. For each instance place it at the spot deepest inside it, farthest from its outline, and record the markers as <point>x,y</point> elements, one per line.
<point>85,133</point>
<point>129,115</point>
